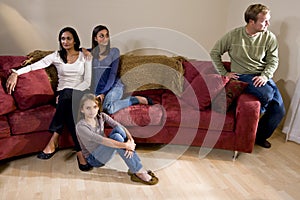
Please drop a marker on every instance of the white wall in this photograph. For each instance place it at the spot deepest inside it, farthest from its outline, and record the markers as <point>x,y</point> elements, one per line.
<point>34,24</point>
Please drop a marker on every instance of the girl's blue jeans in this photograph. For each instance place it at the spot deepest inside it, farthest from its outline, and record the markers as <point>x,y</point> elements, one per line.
<point>103,154</point>
<point>272,106</point>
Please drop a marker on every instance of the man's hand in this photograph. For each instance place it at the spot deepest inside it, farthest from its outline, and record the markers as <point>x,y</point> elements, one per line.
<point>232,75</point>
<point>259,81</point>
<point>11,82</point>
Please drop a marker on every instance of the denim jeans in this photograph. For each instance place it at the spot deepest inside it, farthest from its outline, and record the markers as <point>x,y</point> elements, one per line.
<point>103,154</point>
<point>113,101</point>
<point>272,106</point>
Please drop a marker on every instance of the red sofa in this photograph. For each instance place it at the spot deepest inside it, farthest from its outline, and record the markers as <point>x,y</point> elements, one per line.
<point>199,108</point>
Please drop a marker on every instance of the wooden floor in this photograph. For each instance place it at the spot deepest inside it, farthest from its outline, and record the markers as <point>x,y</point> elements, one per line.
<point>265,174</point>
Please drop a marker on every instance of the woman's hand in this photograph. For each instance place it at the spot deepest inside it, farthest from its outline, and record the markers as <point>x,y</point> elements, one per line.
<point>56,99</point>
<point>11,82</point>
<point>87,55</point>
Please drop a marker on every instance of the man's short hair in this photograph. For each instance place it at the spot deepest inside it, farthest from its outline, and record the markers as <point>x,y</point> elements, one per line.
<point>253,10</point>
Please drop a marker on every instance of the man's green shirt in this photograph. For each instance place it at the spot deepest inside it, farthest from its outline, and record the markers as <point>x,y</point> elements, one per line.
<point>248,55</point>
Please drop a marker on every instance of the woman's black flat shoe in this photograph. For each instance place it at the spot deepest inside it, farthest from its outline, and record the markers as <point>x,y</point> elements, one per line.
<point>86,167</point>
<point>46,156</point>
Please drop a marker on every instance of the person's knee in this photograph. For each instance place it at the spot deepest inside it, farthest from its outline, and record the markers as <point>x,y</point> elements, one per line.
<point>116,136</point>
<point>281,111</point>
<point>267,97</point>
<point>278,110</point>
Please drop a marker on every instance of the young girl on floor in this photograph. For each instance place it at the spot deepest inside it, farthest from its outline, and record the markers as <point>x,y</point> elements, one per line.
<point>99,149</point>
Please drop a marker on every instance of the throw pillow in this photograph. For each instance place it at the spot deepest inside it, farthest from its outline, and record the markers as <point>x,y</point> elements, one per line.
<point>7,103</point>
<point>194,67</point>
<point>153,69</point>
<point>10,62</point>
<point>33,89</point>
<point>203,89</point>
<point>225,99</point>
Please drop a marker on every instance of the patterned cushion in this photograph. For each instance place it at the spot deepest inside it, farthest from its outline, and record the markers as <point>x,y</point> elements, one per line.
<point>140,115</point>
<point>225,99</point>
<point>146,72</point>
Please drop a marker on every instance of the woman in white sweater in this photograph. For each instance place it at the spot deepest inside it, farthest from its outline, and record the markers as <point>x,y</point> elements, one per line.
<point>74,79</point>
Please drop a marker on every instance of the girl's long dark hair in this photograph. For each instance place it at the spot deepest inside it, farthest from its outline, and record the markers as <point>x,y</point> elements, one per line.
<point>95,49</point>
<point>62,52</point>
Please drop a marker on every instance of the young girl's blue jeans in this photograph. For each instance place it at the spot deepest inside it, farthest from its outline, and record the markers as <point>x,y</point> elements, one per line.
<point>103,154</point>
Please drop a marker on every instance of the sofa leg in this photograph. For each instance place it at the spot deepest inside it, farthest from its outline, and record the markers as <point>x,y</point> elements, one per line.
<point>235,155</point>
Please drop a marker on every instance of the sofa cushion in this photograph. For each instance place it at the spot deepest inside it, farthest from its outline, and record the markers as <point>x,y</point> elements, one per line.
<point>7,103</point>
<point>179,113</point>
<point>32,120</point>
<point>203,89</point>
<point>140,115</point>
<point>4,127</point>
<point>224,101</point>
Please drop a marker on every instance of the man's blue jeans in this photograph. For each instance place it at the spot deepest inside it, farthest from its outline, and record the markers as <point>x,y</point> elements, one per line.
<point>103,154</point>
<point>272,106</point>
<point>113,101</point>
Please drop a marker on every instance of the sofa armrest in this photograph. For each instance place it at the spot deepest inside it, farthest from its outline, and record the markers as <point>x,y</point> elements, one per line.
<point>247,117</point>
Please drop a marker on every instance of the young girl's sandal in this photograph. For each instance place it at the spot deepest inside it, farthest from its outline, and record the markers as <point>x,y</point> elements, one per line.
<point>149,172</point>
<point>152,181</point>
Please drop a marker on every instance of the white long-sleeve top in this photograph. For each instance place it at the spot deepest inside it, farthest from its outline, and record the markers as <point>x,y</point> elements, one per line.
<point>74,76</point>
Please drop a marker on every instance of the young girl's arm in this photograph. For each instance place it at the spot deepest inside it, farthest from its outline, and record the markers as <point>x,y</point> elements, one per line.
<point>129,145</point>
<point>113,123</point>
<point>129,136</point>
<point>87,136</point>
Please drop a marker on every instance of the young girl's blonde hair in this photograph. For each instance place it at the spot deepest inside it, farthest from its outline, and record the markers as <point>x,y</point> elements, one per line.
<point>85,97</point>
